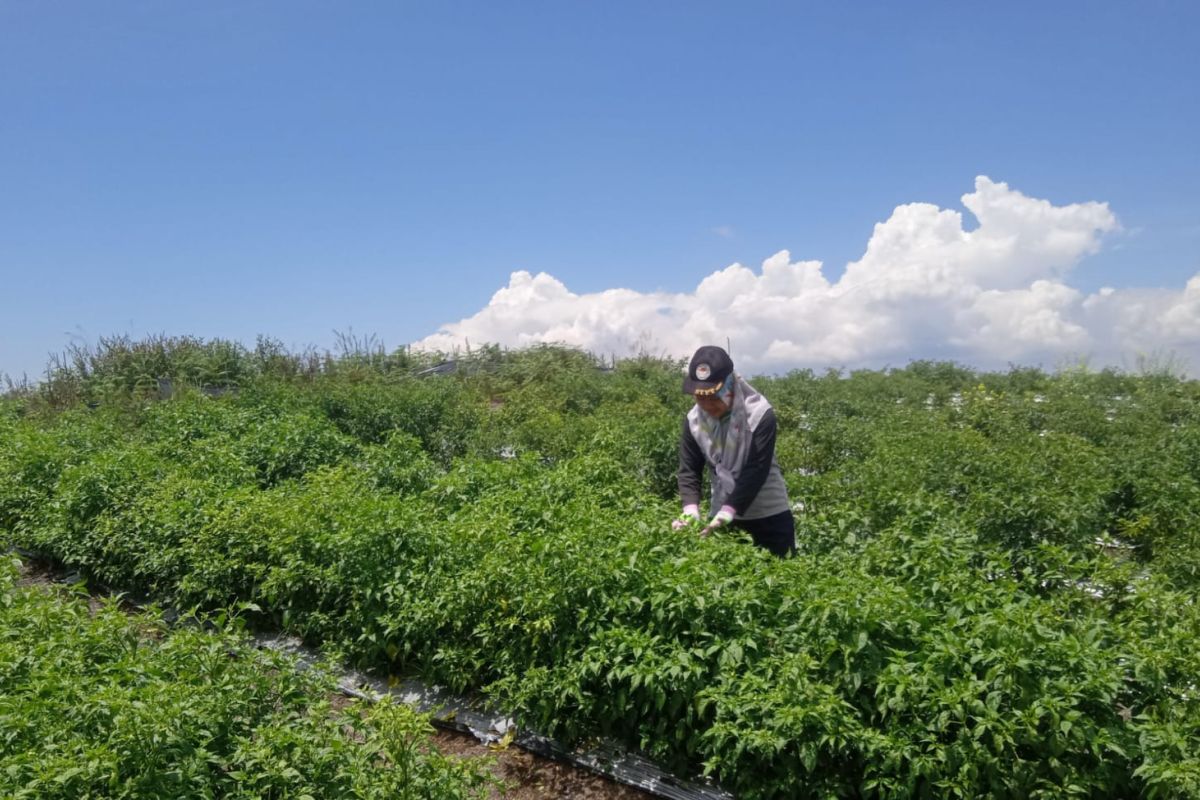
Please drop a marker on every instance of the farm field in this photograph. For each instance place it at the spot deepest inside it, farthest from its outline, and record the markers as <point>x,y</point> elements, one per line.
<point>994,595</point>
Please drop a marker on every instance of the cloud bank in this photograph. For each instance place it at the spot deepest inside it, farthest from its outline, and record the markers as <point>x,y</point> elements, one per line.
<point>924,288</point>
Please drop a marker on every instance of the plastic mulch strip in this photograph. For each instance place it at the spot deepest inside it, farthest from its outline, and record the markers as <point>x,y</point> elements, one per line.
<point>452,712</point>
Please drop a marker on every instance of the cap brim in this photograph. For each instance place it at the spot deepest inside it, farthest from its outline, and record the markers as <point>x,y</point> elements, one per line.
<point>690,385</point>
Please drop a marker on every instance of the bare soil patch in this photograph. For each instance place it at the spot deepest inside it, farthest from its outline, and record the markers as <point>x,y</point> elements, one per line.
<point>531,777</point>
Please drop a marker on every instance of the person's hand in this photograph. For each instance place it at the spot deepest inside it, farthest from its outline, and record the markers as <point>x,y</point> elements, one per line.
<point>719,520</point>
<point>690,516</point>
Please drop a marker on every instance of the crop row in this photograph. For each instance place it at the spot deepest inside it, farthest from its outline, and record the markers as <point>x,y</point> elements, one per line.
<point>104,703</point>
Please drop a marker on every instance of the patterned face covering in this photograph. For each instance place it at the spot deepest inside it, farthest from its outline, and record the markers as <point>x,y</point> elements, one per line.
<point>725,392</point>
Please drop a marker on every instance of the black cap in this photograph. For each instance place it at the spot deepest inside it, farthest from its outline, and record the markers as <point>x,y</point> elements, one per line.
<point>709,368</point>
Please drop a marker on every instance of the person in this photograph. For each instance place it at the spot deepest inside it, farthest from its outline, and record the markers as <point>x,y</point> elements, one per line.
<point>731,429</point>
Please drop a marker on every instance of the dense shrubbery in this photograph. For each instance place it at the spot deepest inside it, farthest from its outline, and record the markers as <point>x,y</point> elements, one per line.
<point>950,626</point>
<point>107,704</point>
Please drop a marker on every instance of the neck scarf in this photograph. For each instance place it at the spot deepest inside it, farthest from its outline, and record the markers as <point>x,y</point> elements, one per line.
<point>725,442</point>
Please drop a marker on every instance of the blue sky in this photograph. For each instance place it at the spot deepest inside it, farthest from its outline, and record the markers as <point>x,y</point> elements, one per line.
<point>229,169</point>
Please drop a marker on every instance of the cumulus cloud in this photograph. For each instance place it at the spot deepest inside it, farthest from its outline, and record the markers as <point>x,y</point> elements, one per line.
<point>924,288</point>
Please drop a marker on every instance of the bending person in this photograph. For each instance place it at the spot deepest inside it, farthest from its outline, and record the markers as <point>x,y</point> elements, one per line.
<point>731,429</point>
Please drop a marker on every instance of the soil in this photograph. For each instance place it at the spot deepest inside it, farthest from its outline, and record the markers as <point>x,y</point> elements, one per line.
<point>35,573</point>
<point>530,777</point>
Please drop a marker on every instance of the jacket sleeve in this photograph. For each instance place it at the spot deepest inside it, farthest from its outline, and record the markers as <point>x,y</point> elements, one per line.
<point>691,466</point>
<point>758,464</point>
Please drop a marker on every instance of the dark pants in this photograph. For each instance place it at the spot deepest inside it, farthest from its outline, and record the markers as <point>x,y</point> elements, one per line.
<point>776,533</point>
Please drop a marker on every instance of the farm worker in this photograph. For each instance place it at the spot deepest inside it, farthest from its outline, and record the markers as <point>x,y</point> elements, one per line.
<point>732,430</point>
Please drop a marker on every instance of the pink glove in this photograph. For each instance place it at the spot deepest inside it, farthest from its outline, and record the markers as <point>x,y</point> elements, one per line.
<point>720,520</point>
<point>691,513</point>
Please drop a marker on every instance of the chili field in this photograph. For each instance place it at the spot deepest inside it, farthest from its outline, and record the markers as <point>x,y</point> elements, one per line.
<point>994,594</point>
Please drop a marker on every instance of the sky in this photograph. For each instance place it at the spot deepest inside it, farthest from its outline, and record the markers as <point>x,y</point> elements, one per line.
<point>819,184</point>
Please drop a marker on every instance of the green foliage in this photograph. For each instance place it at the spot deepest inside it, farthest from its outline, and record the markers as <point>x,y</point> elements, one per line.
<point>995,593</point>
<point>108,704</point>
<point>440,414</point>
<point>120,366</point>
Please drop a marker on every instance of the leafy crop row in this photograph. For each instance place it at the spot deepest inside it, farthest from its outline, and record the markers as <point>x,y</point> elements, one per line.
<point>108,704</point>
<point>950,626</point>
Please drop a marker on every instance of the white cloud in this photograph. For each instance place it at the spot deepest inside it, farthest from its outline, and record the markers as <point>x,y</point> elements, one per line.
<point>924,288</point>
<point>724,231</point>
